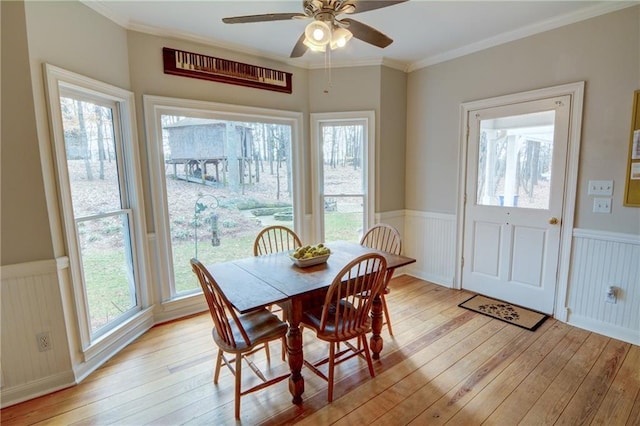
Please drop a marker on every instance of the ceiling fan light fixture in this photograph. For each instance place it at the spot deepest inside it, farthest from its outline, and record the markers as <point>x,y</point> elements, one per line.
<point>314,47</point>
<point>340,37</point>
<point>317,33</point>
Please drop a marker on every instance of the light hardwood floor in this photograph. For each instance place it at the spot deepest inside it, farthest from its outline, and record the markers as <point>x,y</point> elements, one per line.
<point>444,365</point>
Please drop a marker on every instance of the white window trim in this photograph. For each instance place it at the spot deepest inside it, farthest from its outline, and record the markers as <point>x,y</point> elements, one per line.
<point>154,108</point>
<point>369,167</point>
<point>102,348</point>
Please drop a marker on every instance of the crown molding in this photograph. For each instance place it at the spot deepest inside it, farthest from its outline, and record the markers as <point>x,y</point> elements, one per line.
<point>550,24</point>
<point>127,24</point>
<point>122,21</point>
<point>363,62</point>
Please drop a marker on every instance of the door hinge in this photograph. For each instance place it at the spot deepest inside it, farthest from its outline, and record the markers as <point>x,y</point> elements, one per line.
<point>462,262</point>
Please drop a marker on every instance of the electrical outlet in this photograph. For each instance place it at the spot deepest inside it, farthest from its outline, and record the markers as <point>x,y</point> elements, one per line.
<point>611,296</point>
<point>600,187</point>
<point>602,205</point>
<point>44,341</point>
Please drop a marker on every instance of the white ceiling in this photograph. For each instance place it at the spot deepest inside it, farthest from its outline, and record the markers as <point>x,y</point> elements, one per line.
<point>424,31</point>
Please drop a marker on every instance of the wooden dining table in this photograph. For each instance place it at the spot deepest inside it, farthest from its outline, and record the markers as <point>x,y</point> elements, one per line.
<point>260,281</point>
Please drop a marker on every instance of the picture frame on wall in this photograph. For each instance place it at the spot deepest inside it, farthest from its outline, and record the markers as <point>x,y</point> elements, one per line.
<point>632,178</point>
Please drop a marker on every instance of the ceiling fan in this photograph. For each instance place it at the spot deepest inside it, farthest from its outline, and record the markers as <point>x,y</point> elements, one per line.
<point>327,28</point>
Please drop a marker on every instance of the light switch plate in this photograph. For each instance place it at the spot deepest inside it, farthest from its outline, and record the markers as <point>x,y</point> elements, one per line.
<point>602,205</point>
<point>600,187</point>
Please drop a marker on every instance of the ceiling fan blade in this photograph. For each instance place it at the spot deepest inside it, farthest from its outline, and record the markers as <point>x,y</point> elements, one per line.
<point>366,5</point>
<point>300,48</point>
<point>367,34</point>
<point>262,18</point>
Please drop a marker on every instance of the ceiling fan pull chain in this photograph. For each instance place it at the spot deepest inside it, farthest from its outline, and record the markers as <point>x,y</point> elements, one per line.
<point>327,70</point>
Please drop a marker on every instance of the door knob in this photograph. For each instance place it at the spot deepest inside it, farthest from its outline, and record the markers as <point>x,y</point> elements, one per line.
<point>553,221</point>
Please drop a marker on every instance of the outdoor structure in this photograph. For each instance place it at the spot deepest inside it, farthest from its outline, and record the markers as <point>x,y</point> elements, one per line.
<point>210,151</point>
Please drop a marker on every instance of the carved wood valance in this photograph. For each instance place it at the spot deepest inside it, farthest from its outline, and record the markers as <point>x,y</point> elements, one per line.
<point>195,65</point>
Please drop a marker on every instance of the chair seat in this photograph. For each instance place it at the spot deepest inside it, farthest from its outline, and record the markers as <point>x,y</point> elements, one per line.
<point>260,326</point>
<point>313,317</point>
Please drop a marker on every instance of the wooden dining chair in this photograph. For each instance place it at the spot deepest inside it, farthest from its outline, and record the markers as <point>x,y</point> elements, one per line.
<point>238,334</point>
<point>386,238</point>
<point>274,239</point>
<point>344,316</point>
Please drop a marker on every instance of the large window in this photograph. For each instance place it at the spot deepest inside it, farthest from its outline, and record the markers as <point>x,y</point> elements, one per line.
<point>343,157</point>
<point>219,177</point>
<point>98,180</point>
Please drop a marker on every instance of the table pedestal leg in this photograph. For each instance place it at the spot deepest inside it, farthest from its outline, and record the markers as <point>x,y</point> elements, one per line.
<point>295,356</point>
<point>376,327</point>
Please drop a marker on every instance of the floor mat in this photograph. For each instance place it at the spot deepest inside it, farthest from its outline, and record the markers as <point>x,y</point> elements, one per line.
<point>504,311</point>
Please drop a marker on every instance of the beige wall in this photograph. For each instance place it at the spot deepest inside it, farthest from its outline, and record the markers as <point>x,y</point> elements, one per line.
<point>347,89</point>
<point>371,88</point>
<point>603,51</point>
<point>24,211</point>
<point>390,153</point>
<point>66,34</point>
<point>70,35</point>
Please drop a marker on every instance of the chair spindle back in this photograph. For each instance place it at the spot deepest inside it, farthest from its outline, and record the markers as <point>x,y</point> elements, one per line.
<point>344,311</point>
<point>274,239</point>
<point>383,237</point>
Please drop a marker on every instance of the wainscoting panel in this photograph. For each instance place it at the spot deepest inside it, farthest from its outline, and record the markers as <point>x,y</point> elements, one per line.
<point>599,260</point>
<point>31,305</point>
<point>431,239</point>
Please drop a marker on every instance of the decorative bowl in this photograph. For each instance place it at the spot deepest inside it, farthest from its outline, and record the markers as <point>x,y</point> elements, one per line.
<point>304,263</point>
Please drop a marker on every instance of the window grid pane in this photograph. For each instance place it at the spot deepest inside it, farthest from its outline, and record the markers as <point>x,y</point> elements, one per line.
<point>108,268</point>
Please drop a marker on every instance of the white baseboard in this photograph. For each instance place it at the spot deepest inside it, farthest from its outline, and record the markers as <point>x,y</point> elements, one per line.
<point>435,279</point>
<point>606,329</point>
<point>36,388</point>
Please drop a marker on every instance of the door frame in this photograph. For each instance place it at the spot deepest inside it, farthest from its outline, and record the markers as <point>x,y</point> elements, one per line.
<point>576,92</point>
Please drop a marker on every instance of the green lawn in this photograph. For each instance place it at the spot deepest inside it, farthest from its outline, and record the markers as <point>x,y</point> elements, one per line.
<point>108,286</point>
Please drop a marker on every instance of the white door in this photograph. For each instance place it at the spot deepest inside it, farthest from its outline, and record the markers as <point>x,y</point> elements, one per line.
<point>516,160</point>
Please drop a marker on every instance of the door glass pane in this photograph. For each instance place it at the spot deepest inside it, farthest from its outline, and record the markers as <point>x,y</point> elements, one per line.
<point>225,181</point>
<point>514,161</point>
<point>102,226</point>
<point>343,180</point>
<point>108,268</point>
